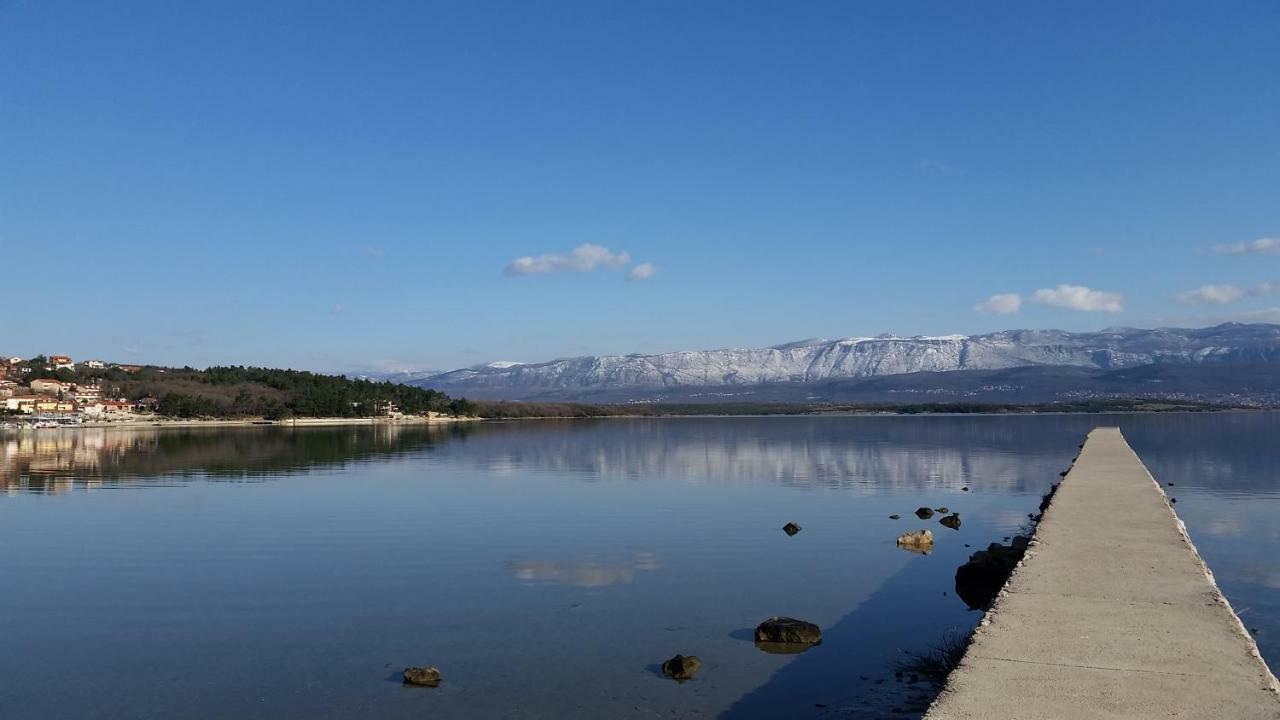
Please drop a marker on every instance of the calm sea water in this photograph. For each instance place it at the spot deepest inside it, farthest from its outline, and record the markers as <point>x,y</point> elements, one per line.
<point>546,568</point>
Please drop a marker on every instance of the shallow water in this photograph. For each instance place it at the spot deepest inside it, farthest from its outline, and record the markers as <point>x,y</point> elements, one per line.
<point>546,567</point>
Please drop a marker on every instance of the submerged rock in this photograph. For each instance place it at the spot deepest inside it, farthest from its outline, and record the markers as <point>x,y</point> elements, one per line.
<point>422,676</point>
<point>682,667</point>
<point>979,580</point>
<point>924,513</point>
<point>951,521</point>
<point>964,489</point>
<point>894,517</point>
<point>788,631</point>
<point>916,540</point>
<point>942,510</point>
<point>791,528</point>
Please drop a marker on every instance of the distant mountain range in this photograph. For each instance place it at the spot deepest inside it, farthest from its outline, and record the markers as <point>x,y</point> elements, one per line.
<point>1231,362</point>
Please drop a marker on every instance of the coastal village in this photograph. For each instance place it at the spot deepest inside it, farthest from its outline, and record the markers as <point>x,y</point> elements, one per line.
<point>54,390</point>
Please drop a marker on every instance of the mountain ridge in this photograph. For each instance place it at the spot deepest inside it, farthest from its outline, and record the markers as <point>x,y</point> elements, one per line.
<point>811,363</point>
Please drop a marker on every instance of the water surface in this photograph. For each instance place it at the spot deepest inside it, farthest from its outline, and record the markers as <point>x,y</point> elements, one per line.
<point>545,567</point>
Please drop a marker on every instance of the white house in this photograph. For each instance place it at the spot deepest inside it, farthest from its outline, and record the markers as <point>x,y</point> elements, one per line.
<point>50,387</point>
<point>20,404</point>
<point>95,409</point>
<point>87,393</point>
<point>94,364</point>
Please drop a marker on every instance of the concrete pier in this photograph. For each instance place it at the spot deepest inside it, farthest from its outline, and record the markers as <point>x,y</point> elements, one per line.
<point>1112,614</point>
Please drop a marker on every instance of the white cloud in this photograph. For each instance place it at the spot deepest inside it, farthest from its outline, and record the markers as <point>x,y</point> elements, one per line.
<point>1261,246</point>
<point>1000,303</point>
<point>643,271</point>
<point>1224,294</point>
<point>1211,295</point>
<point>1079,297</point>
<point>584,258</point>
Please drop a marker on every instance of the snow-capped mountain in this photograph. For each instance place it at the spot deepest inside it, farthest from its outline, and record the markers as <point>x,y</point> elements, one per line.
<point>815,361</point>
<point>405,377</point>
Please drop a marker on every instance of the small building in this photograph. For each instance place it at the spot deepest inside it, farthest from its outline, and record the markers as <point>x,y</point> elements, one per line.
<point>117,407</point>
<point>8,388</point>
<point>15,360</point>
<point>128,368</point>
<point>93,409</point>
<point>62,362</point>
<point>147,404</point>
<point>54,405</point>
<point>86,393</point>
<point>47,386</point>
<point>25,405</point>
<point>94,364</point>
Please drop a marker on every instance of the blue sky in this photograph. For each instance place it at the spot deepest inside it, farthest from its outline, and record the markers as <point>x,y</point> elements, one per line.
<point>344,185</point>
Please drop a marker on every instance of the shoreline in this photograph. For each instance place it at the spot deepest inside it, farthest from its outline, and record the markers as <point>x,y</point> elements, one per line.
<point>258,422</point>
<point>418,420</point>
<point>891,413</point>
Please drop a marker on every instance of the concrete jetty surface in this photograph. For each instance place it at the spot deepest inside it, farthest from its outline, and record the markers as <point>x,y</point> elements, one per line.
<point>1112,614</point>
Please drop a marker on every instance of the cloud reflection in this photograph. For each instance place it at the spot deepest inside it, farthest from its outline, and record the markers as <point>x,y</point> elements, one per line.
<point>585,574</point>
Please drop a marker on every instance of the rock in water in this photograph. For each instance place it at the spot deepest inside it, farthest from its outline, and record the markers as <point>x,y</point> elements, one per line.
<point>681,667</point>
<point>894,517</point>
<point>920,540</point>
<point>943,510</point>
<point>790,529</point>
<point>788,631</point>
<point>423,676</point>
<point>951,521</point>
<point>924,513</point>
<point>965,488</point>
<point>980,579</point>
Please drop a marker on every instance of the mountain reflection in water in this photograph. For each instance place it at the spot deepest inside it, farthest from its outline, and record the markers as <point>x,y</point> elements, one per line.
<point>65,459</point>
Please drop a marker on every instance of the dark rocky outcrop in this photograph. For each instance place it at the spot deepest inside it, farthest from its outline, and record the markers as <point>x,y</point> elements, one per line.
<point>422,676</point>
<point>791,528</point>
<point>924,513</point>
<point>788,631</point>
<point>942,510</point>
<point>951,521</point>
<point>979,580</point>
<point>682,667</point>
<point>1048,497</point>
